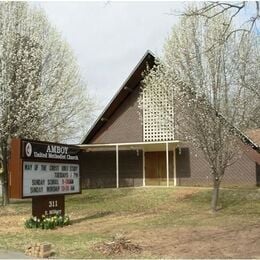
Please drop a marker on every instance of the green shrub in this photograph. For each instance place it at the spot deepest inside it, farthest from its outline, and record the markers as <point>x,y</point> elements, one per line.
<point>47,222</point>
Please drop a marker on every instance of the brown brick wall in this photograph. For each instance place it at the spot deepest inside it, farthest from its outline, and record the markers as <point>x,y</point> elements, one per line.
<point>199,174</point>
<point>124,126</point>
<point>130,168</point>
<point>241,173</point>
<point>99,169</point>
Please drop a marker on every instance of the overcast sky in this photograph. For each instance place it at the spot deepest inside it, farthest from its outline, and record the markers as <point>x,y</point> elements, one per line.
<point>109,38</point>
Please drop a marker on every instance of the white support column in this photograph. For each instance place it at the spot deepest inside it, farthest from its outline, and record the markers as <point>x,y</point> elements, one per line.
<point>117,167</point>
<point>167,163</point>
<point>174,167</point>
<point>143,168</point>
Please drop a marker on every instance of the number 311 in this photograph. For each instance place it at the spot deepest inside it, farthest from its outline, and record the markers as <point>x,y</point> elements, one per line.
<point>53,203</point>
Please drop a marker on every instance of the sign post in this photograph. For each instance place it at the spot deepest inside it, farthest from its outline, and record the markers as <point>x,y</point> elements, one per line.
<point>45,172</point>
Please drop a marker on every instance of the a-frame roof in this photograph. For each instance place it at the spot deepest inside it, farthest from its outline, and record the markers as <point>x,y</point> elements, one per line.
<point>127,87</point>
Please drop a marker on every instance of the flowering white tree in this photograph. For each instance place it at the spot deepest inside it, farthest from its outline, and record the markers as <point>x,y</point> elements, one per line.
<point>246,14</point>
<point>41,92</point>
<point>243,17</point>
<point>212,88</point>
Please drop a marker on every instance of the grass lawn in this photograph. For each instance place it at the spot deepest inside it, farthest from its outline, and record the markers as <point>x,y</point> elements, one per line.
<point>165,222</point>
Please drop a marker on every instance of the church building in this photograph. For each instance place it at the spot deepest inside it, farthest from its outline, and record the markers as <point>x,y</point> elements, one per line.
<point>129,147</point>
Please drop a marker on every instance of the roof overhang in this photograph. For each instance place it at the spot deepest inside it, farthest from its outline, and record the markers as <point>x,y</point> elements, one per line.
<point>146,146</point>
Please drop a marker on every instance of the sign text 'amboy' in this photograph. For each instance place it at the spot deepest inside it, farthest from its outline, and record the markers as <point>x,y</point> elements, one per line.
<point>49,151</point>
<point>57,149</point>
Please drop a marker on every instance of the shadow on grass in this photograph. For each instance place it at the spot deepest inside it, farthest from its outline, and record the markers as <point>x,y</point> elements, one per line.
<point>97,215</point>
<point>100,195</point>
<point>21,201</point>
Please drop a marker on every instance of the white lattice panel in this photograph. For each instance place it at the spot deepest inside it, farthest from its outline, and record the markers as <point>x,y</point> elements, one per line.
<point>158,114</point>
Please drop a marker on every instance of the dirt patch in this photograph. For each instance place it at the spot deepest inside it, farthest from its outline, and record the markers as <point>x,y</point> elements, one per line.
<point>11,223</point>
<point>201,242</point>
<point>118,246</point>
<point>185,194</point>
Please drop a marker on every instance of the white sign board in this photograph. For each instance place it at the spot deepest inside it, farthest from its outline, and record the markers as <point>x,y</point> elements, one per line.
<point>41,178</point>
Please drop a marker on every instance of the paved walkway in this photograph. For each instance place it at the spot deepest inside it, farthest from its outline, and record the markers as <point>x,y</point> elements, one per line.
<point>12,255</point>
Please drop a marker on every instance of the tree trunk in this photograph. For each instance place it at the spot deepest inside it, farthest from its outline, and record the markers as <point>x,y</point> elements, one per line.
<point>215,194</point>
<point>5,195</point>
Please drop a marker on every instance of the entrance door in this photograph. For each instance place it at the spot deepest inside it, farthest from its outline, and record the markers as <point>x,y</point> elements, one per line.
<point>155,168</point>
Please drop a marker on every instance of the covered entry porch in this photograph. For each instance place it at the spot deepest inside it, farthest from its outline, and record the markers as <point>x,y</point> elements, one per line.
<point>151,163</point>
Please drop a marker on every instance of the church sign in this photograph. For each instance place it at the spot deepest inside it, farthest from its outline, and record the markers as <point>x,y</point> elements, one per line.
<point>45,172</point>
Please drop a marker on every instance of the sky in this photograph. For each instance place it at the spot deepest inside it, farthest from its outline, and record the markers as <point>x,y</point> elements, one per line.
<point>109,38</point>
